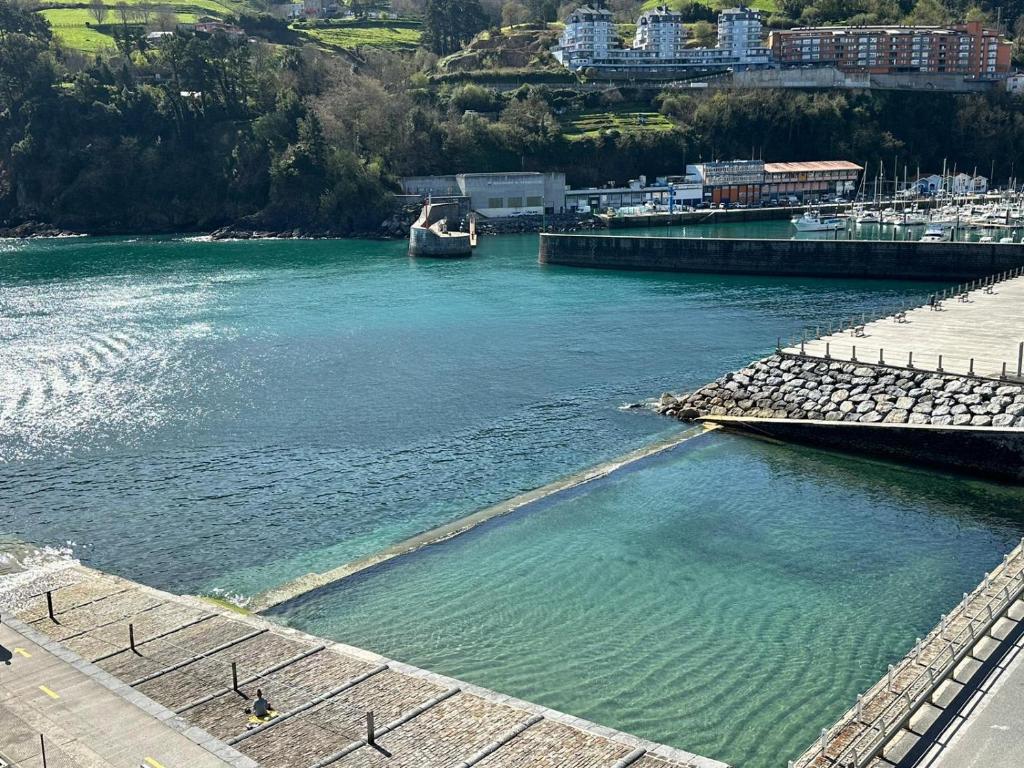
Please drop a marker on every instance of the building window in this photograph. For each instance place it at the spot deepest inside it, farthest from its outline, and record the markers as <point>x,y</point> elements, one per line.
<point>515,202</point>
<point>534,202</point>
<point>494,202</point>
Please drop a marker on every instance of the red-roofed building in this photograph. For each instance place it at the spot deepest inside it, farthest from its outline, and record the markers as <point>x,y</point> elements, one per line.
<point>810,179</point>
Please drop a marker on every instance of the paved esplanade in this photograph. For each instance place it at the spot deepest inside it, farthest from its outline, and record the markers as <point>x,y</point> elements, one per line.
<point>200,667</point>
<point>993,734</point>
<point>84,723</point>
<point>987,326</point>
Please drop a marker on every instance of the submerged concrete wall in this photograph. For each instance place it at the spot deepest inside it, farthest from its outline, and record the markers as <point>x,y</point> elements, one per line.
<point>987,451</point>
<point>954,262</point>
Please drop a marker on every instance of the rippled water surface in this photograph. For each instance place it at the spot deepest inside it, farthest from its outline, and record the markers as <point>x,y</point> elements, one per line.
<point>226,416</point>
<point>730,598</point>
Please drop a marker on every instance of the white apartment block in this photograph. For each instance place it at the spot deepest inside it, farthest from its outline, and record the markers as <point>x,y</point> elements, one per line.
<point>659,45</point>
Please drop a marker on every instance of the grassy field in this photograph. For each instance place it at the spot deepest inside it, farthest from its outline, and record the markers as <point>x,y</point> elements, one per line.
<point>371,33</point>
<point>625,119</point>
<point>73,22</point>
<point>767,6</point>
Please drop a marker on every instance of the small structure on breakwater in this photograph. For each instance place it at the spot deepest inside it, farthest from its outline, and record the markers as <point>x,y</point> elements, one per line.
<point>430,235</point>
<point>891,260</point>
<point>946,390</point>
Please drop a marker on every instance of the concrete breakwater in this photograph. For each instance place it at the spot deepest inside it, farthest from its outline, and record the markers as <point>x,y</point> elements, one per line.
<point>950,422</point>
<point>790,388</point>
<point>797,258</point>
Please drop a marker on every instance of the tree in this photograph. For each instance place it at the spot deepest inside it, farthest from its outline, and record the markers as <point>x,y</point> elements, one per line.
<point>514,13</point>
<point>704,34</point>
<point>98,10</point>
<point>447,24</point>
<point>929,13</point>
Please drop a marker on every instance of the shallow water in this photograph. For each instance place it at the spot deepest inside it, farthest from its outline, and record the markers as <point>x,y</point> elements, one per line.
<point>731,598</point>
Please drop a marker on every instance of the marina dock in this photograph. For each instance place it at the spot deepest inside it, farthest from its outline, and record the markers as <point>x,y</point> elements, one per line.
<point>196,667</point>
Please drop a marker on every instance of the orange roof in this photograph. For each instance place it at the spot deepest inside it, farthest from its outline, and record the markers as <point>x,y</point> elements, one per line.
<point>822,165</point>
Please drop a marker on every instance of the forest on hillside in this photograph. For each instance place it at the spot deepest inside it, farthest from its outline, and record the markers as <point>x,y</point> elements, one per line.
<point>204,132</point>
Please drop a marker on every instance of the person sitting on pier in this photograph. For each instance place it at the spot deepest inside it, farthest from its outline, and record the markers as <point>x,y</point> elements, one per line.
<point>260,710</point>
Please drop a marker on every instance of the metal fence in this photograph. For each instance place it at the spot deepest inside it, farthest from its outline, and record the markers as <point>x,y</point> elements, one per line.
<point>900,700</point>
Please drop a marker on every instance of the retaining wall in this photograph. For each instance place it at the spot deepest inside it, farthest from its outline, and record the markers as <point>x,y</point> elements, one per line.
<point>955,262</point>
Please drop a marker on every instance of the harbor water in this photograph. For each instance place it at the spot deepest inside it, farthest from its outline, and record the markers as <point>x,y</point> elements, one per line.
<point>221,417</point>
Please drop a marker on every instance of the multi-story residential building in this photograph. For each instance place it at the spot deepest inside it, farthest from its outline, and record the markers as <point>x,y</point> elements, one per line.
<point>969,50</point>
<point>739,33</point>
<point>660,32</point>
<point>660,43</point>
<point>588,35</point>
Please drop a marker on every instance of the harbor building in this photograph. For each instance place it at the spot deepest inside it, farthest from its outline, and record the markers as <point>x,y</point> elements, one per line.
<point>495,195</point>
<point>730,181</point>
<point>970,50</point>
<point>589,41</point>
<point>810,180</point>
<point>666,193</point>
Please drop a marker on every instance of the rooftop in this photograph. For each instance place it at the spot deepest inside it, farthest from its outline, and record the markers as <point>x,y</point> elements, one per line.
<point>812,166</point>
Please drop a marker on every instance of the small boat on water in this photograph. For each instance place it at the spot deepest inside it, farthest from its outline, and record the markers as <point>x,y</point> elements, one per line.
<point>814,221</point>
<point>936,233</point>
<point>862,216</point>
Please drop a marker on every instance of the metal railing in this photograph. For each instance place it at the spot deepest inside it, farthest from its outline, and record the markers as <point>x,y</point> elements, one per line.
<point>852,323</point>
<point>981,610</point>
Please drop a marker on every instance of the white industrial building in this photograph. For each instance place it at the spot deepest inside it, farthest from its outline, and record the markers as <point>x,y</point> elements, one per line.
<point>660,43</point>
<point>496,195</point>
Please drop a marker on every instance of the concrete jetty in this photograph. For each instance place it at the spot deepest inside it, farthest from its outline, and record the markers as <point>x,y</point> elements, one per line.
<point>902,718</point>
<point>839,258</point>
<point>975,329</point>
<point>940,392</point>
<point>196,667</point>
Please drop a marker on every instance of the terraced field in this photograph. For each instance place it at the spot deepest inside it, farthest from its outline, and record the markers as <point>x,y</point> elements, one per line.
<point>385,33</point>
<point>628,119</point>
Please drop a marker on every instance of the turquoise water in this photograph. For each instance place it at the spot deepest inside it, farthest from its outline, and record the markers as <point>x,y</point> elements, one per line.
<point>227,416</point>
<point>731,598</point>
<point>232,415</point>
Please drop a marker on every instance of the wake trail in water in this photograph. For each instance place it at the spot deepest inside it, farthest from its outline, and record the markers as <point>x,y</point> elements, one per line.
<point>314,581</point>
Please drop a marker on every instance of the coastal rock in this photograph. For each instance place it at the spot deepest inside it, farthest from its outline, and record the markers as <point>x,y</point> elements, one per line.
<point>918,418</point>
<point>981,420</point>
<point>1003,420</point>
<point>871,416</point>
<point>896,416</point>
<point>905,403</point>
<point>943,420</point>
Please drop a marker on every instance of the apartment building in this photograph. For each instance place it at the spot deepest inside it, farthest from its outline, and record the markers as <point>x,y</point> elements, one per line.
<point>969,50</point>
<point>659,45</point>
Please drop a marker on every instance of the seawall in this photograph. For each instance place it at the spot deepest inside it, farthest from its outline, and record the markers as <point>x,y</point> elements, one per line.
<point>795,258</point>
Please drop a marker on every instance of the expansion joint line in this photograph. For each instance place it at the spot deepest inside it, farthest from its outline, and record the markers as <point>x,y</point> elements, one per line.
<point>76,606</point>
<point>109,623</point>
<point>631,758</point>
<point>186,625</point>
<point>350,683</point>
<point>197,657</point>
<point>500,742</point>
<point>400,721</point>
<point>251,679</point>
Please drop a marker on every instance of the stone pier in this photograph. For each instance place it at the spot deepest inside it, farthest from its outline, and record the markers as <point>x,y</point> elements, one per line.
<point>958,411</point>
<point>196,668</point>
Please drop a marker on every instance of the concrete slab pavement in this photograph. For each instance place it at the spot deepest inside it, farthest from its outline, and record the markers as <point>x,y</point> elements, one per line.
<point>85,724</point>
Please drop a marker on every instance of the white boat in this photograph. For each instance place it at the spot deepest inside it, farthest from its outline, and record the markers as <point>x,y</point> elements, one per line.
<point>867,217</point>
<point>814,221</point>
<point>935,233</point>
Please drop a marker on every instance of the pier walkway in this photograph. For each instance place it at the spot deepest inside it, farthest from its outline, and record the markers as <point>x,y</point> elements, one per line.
<point>86,725</point>
<point>975,329</point>
<point>197,667</point>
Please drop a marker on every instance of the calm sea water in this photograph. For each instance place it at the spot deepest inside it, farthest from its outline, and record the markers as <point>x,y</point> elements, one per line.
<point>226,416</point>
